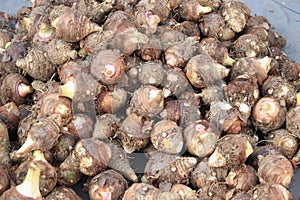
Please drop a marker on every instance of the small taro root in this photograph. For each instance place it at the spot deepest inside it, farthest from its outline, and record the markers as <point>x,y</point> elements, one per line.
<point>216,50</point>
<point>242,179</point>
<point>111,101</point>
<point>278,87</point>
<point>48,177</point>
<point>105,126</point>
<point>5,180</point>
<point>190,29</point>
<point>292,117</point>
<point>58,51</point>
<point>4,145</point>
<point>201,138</point>
<point>192,10</point>
<point>81,125</point>
<point>15,88</point>
<point>42,134</point>
<point>11,115</point>
<point>166,136</point>
<point>270,191</point>
<point>202,71</point>
<point>29,188</point>
<point>231,151</point>
<point>275,169</point>
<point>212,93</point>
<point>159,8</point>
<point>165,168</point>
<point>151,50</point>
<point>107,185</point>
<point>290,70</point>
<point>213,25</point>
<point>242,92</point>
<point>134,132</point>
<point>268,114</point>
<point>284,141</point>
<point>256,67</point>
<point>62,193</point>
<point>73,25</point>
<point>215,190</point>
<point>5,37</point>
<point>146,21</point>
<point>120,161</point>
<point>147,101</point>
<point>236,14</point>
<point>14,51</point>
<point>36,64</point>
<point>108,66</point>
<point>169,37</point>
<point>151,73</point>
<point>184,191</point>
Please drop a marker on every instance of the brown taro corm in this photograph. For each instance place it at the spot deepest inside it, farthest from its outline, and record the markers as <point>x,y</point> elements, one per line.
<point>151,50</point>
<point>106,126</point>
<point>291,117</point>
<point>5,37</point>
<point>193,10</point>
<point>270,191</point>
<point>81,125</point>
<point>62,193</point>
<point>11,115</point>
<point>151,73</point>
<point>184,191</point>
<point>5,179</point>
<point>108,184</point>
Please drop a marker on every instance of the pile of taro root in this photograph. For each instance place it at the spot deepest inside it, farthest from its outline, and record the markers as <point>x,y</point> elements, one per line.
<point>201,89</point>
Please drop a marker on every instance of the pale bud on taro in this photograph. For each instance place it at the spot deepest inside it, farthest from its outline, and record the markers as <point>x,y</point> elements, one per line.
<point>45,33</point>
<point>146,21</point>
<point>108,66</point>
<point>15,88</point>
<point>269,114</point>
<point>275,169</point>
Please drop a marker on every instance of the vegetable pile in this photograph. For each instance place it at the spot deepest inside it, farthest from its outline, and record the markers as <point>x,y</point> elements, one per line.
<point>201,88</point>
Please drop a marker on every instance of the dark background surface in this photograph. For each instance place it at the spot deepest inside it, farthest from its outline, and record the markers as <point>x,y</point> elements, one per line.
<point>284,16</point>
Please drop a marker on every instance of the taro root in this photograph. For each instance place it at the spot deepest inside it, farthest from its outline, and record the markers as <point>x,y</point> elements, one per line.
<point>212,93</point>
<point>36,64</point>
<point>202,71</point>
<point>58,51</point>
<point>177,55</point>
<point>242,179</point>
<point>277,87</point>
<point>216,50</point>
<point>5,37</point>
<point>63,147</point>
<point>166,136</point>
<point>95,42</point>
<point>42,134</point>
<point>15,50</point>
<point>89,156</point>
<point>291,117</point>
<point>242,92</point>
<point>204,175</point>
<point>165,168</point>
<point>5,180</point>
<point>290,71</point>
<point>52,103</point>
<point>284,141</point>
<point>108,66</point>
<point>201,138</point>
<point>216,190</point>
<point>147,101</point>
<point>231,151</point>
<point>181,112</point>
<point>226,117</point>
<point>110,101</point>
<point>73,25</point>
<point>48,177</point>
<point>175,82</point>
<point>159,8</point>
<point>192,10</point>
<point>68,70</point>
<point>190,29</point>
<point>275,169</point>
<point>4,145</point>
<point>270,191</point>
<point>134,132</point>
<point>94,10</point>
<point>15,87</point>
<point>120,161</point>
<point>62,193</point>
<point>169,37</point>
<point>11,115</point>
<point>146,21</point>
<point>23,127</point>
<point>151,50</point>
<point>184,191</point>
<point>213,25</point>
<point>105,126</point>
<point>249,45</point>
<point>151,73</point>
<point>268,114</point>
<point>236,14</point>
<point>81,125</point>
<point>107,185</point>
<point>29,188</point>
<point>256,67</point>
